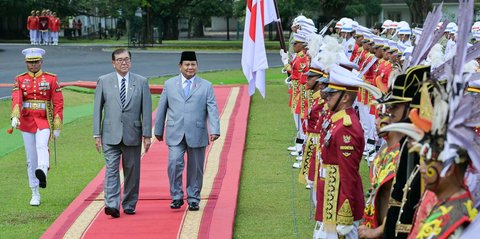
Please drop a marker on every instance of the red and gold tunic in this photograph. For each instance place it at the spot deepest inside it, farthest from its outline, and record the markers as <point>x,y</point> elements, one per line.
<point>299,67</point>
<point>312,135</point>
<point>446,217</point>
<point>363,95</point>
<point>381,171</point>
<point>340,199</point>
<point>37,101</point>
<point>356,55</point>
<point>383,73</point>
<point>319,130</point>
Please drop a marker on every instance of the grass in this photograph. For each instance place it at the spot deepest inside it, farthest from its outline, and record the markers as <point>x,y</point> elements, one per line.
<point>265,200</point>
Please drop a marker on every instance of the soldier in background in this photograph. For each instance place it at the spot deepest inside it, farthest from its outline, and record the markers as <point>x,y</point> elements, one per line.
<point>43,27</point>
<point>37,111</point>
<point>32,27</point>
<point>54,26</point>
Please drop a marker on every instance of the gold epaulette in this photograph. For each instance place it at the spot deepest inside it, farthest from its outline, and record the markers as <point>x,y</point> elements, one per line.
<point>347,121</point>
<point>24,73</point>
<point>49,73</point>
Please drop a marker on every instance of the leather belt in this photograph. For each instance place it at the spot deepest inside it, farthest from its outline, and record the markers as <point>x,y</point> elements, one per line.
<point>34,105</point>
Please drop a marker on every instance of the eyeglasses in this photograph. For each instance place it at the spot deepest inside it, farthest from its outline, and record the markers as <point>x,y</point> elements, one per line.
<point>123,60</point>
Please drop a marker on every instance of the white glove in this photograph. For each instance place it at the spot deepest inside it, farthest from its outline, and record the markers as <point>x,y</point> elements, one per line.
<point>56,133</point>
<point>310,183</point>
<point>284,56</point>
<point>344,229</point>
<point>15,122</point>
<point>288,81</point>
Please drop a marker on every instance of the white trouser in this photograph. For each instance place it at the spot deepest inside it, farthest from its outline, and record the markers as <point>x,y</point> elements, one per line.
<point>299,126</point>
<point>319,232</point>
<point>39,37</point>
<point>33,36</point>
<point>44,37</point>
<point>36,150</point>
<point>54,37</point>
<point>367,120</point>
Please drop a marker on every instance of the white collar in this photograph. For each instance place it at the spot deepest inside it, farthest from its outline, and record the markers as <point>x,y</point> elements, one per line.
<point>184,79</point>
<point>119,77</point>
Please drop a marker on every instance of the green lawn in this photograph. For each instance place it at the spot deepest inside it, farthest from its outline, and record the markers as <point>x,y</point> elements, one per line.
<point>268,187</point>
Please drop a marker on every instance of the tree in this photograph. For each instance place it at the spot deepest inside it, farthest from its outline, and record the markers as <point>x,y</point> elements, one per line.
<point>419,10</point>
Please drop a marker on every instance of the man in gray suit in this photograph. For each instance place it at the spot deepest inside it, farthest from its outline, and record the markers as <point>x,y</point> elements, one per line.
<point>187,103</point>
<point>124,99</point>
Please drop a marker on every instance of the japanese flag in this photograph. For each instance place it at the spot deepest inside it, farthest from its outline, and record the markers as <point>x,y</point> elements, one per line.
<point>254,58</point>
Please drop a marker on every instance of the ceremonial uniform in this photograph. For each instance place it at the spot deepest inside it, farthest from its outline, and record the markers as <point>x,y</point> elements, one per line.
<point>54,25</point>
<point>36,97</point>
<point>382,171</point>
<point>348,47</point>
<point>383,73</point>
<point>37,111</point>
<point>340,198</point>
<point>448,217</point>
<point>312,136</point>
<point>406,188</point>
<point>32,27</point>
<point>339,189</point>
<point>43,29</point>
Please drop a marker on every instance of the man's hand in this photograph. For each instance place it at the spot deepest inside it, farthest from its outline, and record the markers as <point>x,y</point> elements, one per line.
<point>98,143</point>
<point>56,133</point>
<point>159,137</point>
<point>146,143</point>
<point>214,137</point>
<point>15,122</point>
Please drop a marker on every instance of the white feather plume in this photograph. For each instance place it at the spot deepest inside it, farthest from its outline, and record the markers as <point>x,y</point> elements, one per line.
<point>315,41</point>
<point>436,57</point>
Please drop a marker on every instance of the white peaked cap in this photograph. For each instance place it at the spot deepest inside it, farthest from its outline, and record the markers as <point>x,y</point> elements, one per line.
<point>33,54</point>
<point>343,79</point>
<point>300,17</point>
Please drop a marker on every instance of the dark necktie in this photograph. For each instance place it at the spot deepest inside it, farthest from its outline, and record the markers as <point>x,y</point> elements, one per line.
<point>123,93</point>
<point>186,90</point>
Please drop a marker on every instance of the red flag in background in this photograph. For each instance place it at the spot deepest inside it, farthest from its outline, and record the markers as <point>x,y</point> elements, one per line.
<point>254,58</point>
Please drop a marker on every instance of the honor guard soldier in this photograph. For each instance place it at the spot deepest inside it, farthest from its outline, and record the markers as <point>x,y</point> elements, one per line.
<point>37,110</point>
<point>297,70</point>
<point>340,202</point>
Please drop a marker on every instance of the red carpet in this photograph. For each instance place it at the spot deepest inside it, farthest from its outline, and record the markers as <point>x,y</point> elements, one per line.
<point>154,218</point>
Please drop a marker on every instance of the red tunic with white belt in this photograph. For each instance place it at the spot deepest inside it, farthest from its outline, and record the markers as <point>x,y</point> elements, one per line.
<point>34,96</point>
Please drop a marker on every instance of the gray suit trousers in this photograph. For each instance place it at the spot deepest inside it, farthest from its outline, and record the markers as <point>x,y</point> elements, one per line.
<point>195,161</point>
<point>131,172</point>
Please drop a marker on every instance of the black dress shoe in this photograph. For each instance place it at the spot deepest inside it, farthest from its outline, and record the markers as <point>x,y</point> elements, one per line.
<point>193,206</point>
<point>176,204</point>
<point>112,212</point>
<point>129,211</point>
<point>42,178</point>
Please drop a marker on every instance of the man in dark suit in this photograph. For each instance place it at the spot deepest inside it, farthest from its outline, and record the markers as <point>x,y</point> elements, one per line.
<point>187,103</point>
<point>124,99</point>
